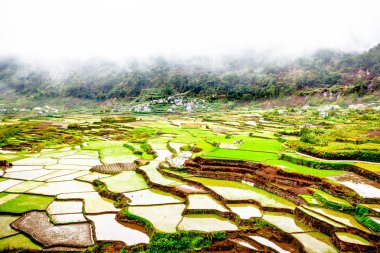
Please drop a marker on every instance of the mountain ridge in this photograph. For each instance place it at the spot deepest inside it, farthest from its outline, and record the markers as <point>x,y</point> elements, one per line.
<point>237,78</point>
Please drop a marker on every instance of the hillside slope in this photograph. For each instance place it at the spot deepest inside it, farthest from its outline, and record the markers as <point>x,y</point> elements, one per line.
<point>245,78</point>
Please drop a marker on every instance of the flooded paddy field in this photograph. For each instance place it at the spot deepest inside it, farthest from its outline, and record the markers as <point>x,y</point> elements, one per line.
<point>362,186</point>
<point>224,183</point>
<point>206,223</point>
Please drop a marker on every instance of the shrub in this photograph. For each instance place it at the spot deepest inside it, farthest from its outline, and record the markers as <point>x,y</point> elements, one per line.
<point>182,241</point>
<point>137,152</point>
<point>360,212</point>
<point>171,149</point>
<point>290,132</point>
<point>73,126</point>
<point>119,119</point>
<point>186,148</point>
<point>332,205</point>
<point>124,214</point>
<point>259,222</point>
<point>361,215</point>
<point>363,155</point>
<point>128,146</point>
<point>103,191</point>
<point>310,136</point>
<point>147,148</point>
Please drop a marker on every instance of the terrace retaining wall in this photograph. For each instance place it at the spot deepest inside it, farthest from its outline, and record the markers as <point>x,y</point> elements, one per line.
<point>257,183</point>
<point>350,247</point>
<point>331,166</point>
<point>328,229</point>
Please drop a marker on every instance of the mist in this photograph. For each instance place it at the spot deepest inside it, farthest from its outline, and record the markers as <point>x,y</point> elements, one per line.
<point>50,32</point>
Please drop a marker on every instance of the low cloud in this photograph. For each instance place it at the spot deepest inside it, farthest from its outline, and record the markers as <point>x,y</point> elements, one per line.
<point>72,30</point>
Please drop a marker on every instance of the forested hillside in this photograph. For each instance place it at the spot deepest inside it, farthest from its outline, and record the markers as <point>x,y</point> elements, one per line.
<point>233,78</point>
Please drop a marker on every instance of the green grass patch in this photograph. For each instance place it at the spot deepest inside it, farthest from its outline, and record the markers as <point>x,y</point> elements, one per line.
<point>369,166</point>
<point>181,241</point>
<point>125,215</point>
<point>97,145</point>
<point>125,181</point>
<point>313,163</point>
<point>241,155</point>
<point>205,146</point>
<point>5,228</point>
<point>93,153</point>
<point>337,151</point>
<point>3,194</point>
<point>19,241</point>
<point>187,138</point>
<point>331,198</point>
<point>310,199</point>
<point>259,144</point>
<point>292,167</point>
<point>115,151</point>
<point>25,203</point>
<point>12,158</point>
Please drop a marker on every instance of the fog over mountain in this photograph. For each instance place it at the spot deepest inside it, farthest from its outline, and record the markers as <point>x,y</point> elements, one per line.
<point>236,50</point>
<point>47,31</point>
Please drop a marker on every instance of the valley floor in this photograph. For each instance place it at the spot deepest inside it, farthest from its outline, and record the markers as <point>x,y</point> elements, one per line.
<point>230,182</point>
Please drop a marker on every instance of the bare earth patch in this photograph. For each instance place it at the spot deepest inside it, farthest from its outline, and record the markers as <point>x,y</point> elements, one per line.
<point>37,225</point>
<point>113,168</point>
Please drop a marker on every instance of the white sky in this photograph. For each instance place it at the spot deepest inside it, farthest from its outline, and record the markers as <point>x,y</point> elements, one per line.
<point>118,29</point>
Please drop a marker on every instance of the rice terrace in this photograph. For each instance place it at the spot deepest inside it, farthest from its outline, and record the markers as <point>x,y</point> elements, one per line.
<point>245,180</point>
<point>185,126</point>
